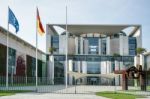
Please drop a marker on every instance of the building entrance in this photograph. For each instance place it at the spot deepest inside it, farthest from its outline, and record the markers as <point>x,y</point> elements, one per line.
<point>92,80</point>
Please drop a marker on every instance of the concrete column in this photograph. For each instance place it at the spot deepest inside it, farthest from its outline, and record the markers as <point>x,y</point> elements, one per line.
<point>50,70</point>
<point>84,70</point>
<point>142,60</point>
<point>108,65</point>
<point>108,46</point>
<point>99,46</point>
<point>117,68</point>
<point>86,46</point>
<point>104,70</point>
<point>70,69</point>
<point>103,67</point>
<point>76,45</point>
<point>78,65</point>
<point>81,45</point>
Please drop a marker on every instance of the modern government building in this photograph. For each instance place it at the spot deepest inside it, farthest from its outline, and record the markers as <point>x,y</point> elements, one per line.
<point>92,49</point>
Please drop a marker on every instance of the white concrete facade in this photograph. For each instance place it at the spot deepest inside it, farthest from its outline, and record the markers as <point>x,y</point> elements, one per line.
<point>103,41</point>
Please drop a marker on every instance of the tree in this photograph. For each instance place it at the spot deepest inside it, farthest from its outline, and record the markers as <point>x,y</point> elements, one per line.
<point>140,50</point>
<point>116,54</point>
<point>52,49</point>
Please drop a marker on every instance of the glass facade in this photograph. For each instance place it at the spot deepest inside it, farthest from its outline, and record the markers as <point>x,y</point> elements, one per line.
<point>103,47</point>
<point>3,58</point>
<point>12,61</point>
<point>59,72</point>
<point>132,46</point>
<point>30,66</point>
<point>95,58</point>
<point>55,44</point>
<point>93,45</point>
<point>93,67</point>
<point>90,61</point>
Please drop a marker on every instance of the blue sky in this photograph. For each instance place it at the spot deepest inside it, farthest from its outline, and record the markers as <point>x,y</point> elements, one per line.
<point>79,12</point>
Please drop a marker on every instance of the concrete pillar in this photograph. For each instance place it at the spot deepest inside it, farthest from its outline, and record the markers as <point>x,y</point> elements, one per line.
<point>103,67</point>
<point>108,46</point>
<point>142,60</point>
<point>78,65</point>
<point>50,70</point>
<point>84,70</point>
<point>81,45</point>
<point>99,46</point>
<point>108,65</point>
<point>70,69</point>
<point>117,67</point>
<point>76,45</point>
<point>86,50</point>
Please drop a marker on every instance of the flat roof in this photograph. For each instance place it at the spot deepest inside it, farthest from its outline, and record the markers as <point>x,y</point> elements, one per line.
<point>4,31</point>
<point>79,29</point>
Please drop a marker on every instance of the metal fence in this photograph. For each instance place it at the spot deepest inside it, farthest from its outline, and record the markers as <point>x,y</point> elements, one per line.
<point>57,85</point>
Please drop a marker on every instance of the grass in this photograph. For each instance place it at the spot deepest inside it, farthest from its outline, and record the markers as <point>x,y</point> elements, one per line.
<point>112,95</point>
<point>11,92</point>
<point>148,88</point>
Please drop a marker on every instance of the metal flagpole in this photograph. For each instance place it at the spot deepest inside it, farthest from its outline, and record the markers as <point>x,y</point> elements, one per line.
<point>7,51</point>
<point>66,69</point>
<point>36,51</point>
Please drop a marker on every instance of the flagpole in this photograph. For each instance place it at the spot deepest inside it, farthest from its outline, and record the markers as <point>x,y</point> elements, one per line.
<point>7,51</point>
<point>36,52</point>
<point>66,69</point>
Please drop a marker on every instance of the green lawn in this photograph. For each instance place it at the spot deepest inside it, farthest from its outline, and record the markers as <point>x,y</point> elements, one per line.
<point>148,88</point>
<point>112,95</point>
<point>11,92</point>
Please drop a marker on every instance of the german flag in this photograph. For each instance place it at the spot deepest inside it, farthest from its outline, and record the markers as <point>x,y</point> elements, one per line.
<point>40,28</point>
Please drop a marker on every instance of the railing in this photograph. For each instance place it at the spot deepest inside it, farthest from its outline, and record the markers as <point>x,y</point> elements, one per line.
<point>57,85</point>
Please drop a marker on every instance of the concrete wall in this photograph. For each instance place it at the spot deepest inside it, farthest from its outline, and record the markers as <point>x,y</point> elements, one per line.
<point>19,45</point>
<point>114,46</point>
<point>86,44</point>
<point>124,45</point>
<point>71,45</point>
<point>62,44</point>
<point>138,35</point>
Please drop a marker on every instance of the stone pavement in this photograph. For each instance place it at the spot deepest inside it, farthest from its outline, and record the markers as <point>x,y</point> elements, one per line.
<point>52,96</point>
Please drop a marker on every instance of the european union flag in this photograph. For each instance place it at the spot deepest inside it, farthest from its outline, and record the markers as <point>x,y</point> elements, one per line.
<point>13,20</point>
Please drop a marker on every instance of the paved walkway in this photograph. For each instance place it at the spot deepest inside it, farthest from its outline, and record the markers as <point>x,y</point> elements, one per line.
<point>52,96</point>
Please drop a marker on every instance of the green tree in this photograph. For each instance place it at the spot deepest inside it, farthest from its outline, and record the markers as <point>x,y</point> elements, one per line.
<point>52,49</point>
<point>116,54</point>
<point>140,50</point>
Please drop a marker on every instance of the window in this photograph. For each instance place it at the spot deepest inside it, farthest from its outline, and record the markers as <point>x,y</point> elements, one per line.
<point>93,45</point>
<point>55,43</point>
<point>132,52</point>
<point>132,46</point>
<point>93,68</point>
<point>103,47</point>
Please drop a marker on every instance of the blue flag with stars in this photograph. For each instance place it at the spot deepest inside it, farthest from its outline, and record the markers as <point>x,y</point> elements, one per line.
<point>13,20</point>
